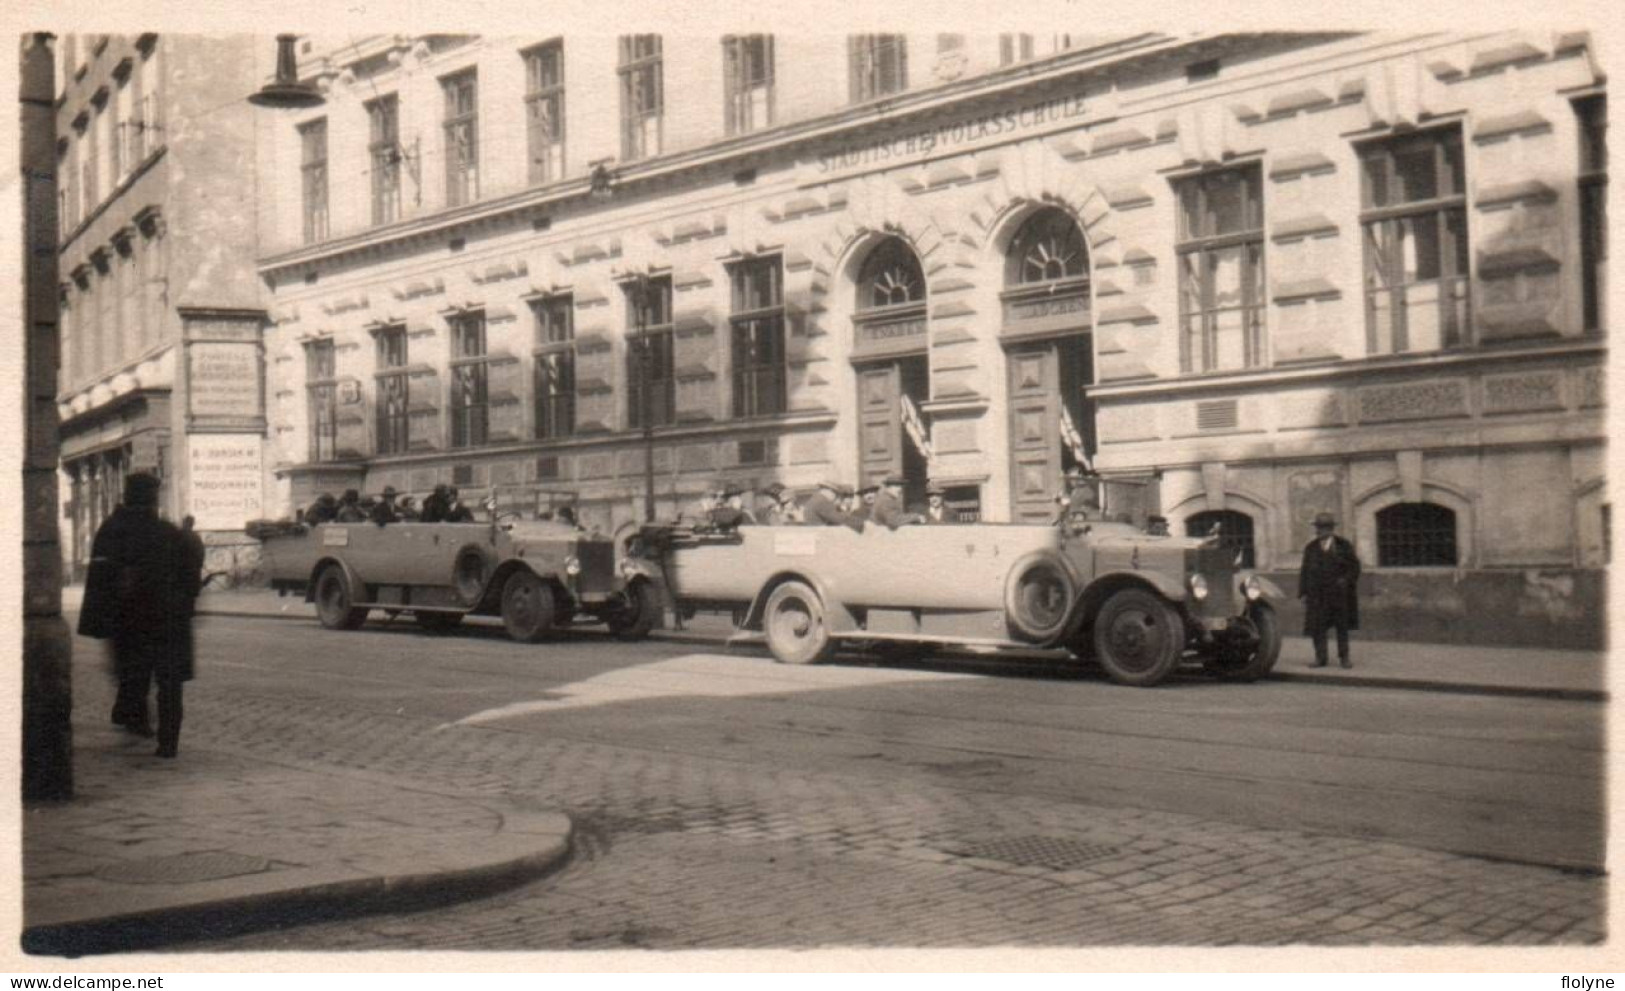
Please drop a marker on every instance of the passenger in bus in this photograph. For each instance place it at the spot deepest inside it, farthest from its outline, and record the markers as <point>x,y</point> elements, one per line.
<point>731,514</point>
<point>865,509</point>
<point>823,509</point>
<point>408,510</point>
<point>349,509</point>
<point>456,510</point>
<point>888,508</point>
<point>1156,526</point>
<point>770,505</point>
<point>323,510</point>
<point>436,504</point>
<point>384,511</point>
<point>567,516</point>
<point>936,511</point>
<point>1080,503</point>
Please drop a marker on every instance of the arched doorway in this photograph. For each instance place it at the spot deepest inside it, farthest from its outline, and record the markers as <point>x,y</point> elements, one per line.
<point>890,359</point>
<point>1046,335</point>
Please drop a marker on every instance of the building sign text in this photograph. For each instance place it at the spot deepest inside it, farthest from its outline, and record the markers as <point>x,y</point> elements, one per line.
<point>924,142</point>
<point>225,480</point>
<point>224,380</point>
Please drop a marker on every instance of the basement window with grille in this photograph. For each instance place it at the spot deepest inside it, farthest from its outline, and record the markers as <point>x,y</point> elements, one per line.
<point>1218,414</point>
<point>755,452</point>
<point>547,467</point>
<point>462,474</point>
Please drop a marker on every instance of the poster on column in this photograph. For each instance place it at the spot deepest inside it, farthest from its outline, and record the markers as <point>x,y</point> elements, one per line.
<point>227,482</point>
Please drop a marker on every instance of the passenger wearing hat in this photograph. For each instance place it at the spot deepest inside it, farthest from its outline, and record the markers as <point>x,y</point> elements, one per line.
<point>323,510</point>
<point>888,508</point>
<point>436,504</point>
<point>864,507</point>
<point>384,511</point>
<point>456,510</point>
<point>730,514</point>
<point>769,504</point>
<point>1156,526</point>
<point>823,510</point>
<point>1081,500</point>
<point>350,510</point>
<point>935,512</point>
<point>1328,582</point>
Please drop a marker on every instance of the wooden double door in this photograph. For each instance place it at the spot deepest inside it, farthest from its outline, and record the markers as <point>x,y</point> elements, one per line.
<point>884,448</point>
<point>1046,378</point>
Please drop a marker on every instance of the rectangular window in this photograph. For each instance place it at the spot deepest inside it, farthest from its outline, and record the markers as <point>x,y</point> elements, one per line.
<point>152,123</point>
<point>748,68</point>
<point>462,138</point>
<point>758,338</point>
<point>879,65</point>
<point>137,121</point>
<point>1413,190</point>
<point>1221,270</point>
<point>313,168</point>
<point>1015,48</point>
<point>650,373</point>
<point>321,399</point>
<point>394,392</point>
<point>544,111</point>
<point>555,354</point>
<point>384,149</point>
<point>642,96</point>
<point>1593,115</point>
<point>470,381</point>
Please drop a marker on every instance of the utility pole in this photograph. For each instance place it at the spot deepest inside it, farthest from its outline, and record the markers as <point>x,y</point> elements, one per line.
<point>47,649</point>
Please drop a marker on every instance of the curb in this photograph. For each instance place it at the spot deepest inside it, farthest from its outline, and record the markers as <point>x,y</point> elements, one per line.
<point>1455,687</point>
<point>223,917</point>
<point>1357,680</point>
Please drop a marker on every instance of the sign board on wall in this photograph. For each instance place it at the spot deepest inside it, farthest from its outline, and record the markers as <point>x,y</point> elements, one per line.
<point>223,380</point>
<point>225,480</point>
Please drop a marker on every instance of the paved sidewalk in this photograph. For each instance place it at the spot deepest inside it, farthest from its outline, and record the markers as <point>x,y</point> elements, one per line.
<point>154,852</point>
<point>1567,674</point>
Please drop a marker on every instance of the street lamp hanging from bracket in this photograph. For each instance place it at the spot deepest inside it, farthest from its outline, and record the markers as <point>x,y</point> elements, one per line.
<point>286,92</point>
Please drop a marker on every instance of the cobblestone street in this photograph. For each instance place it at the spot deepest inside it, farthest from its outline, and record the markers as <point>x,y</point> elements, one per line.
<point>678,851</point>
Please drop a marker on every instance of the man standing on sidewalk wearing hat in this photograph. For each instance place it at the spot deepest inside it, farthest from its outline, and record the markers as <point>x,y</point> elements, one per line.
<point>139,593</point>
<point>1328,584</point>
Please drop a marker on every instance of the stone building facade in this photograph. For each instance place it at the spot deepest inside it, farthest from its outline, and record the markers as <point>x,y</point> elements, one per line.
<point>1244,278</point>
<point>162,317</point>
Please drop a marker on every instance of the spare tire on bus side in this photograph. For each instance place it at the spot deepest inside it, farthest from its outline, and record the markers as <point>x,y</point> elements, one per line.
<point>471,572</point>
<point>1038,597</point>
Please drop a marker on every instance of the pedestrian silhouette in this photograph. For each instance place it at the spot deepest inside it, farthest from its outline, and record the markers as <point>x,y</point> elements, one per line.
<point>140,593</point>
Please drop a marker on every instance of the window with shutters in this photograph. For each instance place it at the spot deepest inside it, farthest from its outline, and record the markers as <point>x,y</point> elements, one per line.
<point>90,166</point>
<point>544,111</point>
<point>757,322</point>
<point>1416,535</point>
<point>1414,193</point>
<point>748,81</point>
<point>470,381</point>
<point>642,96</point>
<point>462,137</point>
<point>650,371</point>
<point>321,399</point>
<point>313,171</point>
<point>1221,270</point>
<point>393,390</point>
<point>1235,531</point>
<point>555,354</point>
<point>878,65</point>
<point>384,151</point>
<point>1593,118</point>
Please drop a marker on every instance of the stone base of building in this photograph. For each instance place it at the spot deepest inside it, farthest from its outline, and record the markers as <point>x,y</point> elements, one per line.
<point>1545,607</point>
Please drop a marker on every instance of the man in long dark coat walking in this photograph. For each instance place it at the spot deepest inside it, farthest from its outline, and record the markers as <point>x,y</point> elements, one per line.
<point>1328,582</point>
<point>140,593</point>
